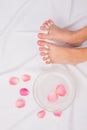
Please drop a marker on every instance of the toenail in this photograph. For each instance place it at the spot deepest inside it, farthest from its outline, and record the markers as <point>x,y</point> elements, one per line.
<point>38,42</point>
<point>39,34</point>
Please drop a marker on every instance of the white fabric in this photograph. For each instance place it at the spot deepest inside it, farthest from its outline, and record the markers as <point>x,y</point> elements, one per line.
<point>19,25</point>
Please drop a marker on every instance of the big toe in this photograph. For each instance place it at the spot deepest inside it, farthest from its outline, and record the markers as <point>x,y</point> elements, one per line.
<point>42,36</point>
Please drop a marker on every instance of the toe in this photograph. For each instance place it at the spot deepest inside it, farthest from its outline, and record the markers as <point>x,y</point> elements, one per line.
<point>46,58</point>
<point>43,28</point>
<point>43,43</point>
<point>43,36</point>
<point>50,21</point>
<point>46,25</point>
<point>48,62</point>
<point>44,54</point>
<point>43,49</point>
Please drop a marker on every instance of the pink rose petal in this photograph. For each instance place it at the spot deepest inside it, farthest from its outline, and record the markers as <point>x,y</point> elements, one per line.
<point>41,114</point>
<point>24,92</point>
<point>52,97</point>
<point>26,77</point>
<point>14,81</point>
<point>61,90</point>
<point>57,113</point>
<point>20,103</point>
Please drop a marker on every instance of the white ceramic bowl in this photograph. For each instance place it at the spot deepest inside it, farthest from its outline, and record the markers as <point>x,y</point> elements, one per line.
<point>46,82</point>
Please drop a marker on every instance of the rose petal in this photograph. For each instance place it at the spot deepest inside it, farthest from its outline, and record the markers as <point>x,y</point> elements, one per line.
<point>26,77</point>
<point>24,92</point>
<point>57,113</point>
<point>61,90</point>
<point>52,97</point>
<point>41,114</point>
<point>20,103</point>
<point>14,81</point>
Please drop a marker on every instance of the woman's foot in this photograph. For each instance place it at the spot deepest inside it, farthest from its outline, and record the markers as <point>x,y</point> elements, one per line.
<point>54,33</point>
<point>55,54</point>
<point>61,35</point>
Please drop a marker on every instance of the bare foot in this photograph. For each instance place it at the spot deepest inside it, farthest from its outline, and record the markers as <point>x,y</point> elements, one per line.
<point>58,34</point>
<point>54,32</point>
<point>55,54</point>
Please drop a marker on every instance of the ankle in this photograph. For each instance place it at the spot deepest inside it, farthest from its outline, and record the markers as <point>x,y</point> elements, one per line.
<point>68,36</point>
<point>76,37</point>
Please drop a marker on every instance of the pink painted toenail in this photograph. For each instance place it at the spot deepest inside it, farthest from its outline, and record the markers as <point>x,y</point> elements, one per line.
<point>61,90</point>
<point>20,103</point>
<point>41,114</point>
<point>57,113</point>
<point>38,42</point>
<point>26,77</point>
<point>24,92</point>
<point>14,81</point>
<point>39,34</point>
<point>52,97</point>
